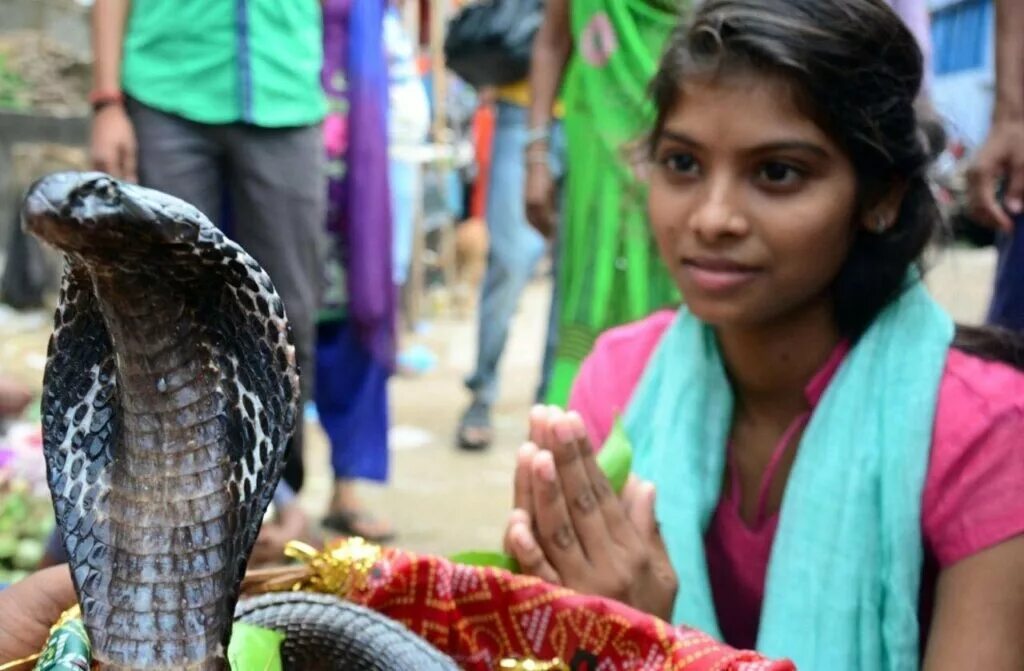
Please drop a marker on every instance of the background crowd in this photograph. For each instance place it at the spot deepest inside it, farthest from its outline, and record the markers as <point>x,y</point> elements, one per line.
<point>301,130</point>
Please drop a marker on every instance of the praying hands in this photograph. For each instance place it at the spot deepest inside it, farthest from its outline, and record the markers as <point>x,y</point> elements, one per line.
<point>570,528</point>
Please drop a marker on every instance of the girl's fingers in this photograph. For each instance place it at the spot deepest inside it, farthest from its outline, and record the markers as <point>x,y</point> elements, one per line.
<point>639,501</point>
<point>577,488</point>
<point>555,531</point>
<point>630,494</point>
<point>522,495</point>
<point>554,416</point>
<point>608,502</point>
<point>517,516</point>
<point>538,424</point>
<point>521,544</point>
<point>642,513</point>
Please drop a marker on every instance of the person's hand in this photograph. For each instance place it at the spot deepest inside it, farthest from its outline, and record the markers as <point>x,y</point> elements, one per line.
<point>291,524</point>
<point>576,532</point>
<point>14,397</point>
<point>28,609</point>
<point>1002,156</point>
<point>113,148</point>
<point>269,546</point>
<point>540,196</point>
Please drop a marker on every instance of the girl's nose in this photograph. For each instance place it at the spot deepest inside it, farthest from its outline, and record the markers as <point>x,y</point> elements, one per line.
<point>719,214</point>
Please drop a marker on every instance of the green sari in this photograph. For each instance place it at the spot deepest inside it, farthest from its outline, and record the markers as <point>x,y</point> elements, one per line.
<point>609,269</point>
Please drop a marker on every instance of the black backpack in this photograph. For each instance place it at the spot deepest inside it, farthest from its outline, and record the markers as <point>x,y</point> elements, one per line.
<point>489,42</point>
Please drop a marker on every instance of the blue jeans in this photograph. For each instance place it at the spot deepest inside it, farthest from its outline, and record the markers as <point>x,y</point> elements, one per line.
<point>1007,309</point>
<point>404,194</point>
<point>515,248</point>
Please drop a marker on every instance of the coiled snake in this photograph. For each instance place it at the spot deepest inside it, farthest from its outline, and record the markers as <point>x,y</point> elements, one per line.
<point>170,393</point>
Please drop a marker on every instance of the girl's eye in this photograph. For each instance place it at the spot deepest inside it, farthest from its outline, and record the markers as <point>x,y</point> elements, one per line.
<point>778,174</point>
<point>680,163</point>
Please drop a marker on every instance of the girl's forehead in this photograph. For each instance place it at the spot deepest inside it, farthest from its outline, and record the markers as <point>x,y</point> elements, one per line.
<point>748,104</point>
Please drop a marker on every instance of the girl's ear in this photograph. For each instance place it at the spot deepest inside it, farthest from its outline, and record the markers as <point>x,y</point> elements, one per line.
<point>882,216</point>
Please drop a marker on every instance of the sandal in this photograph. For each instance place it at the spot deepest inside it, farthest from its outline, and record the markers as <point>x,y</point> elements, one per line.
<point>356,523</point>
<point>475,431</point>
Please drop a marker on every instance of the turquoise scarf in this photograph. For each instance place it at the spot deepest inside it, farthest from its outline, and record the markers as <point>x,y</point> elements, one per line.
<point>843,580</point>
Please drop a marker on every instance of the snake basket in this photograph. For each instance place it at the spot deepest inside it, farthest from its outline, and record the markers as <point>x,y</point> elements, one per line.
<point>487,618</point>
<point>368,608</point>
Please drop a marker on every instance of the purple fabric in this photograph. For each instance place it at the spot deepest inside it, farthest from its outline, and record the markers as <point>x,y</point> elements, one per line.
<point>355,134</point>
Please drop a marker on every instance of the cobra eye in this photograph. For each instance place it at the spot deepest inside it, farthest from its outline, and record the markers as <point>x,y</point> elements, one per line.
<point>107,190</point>
<point>110,191</point>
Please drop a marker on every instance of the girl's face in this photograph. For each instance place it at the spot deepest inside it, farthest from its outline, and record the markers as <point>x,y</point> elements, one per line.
<point>752,204</point>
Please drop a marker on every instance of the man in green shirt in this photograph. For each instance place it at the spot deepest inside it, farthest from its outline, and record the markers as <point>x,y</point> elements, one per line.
<point>219,103</point>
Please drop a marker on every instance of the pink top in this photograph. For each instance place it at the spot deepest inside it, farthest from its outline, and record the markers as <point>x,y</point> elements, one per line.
<point>972,494</point>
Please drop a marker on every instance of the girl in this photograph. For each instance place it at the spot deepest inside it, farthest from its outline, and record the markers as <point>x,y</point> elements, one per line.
<point>839,470</point>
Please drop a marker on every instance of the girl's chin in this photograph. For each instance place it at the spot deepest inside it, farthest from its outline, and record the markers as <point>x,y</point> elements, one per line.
<point>722,314</point>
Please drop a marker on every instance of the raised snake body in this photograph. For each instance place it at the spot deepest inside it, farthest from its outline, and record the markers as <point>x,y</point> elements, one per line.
<point>170,393</point>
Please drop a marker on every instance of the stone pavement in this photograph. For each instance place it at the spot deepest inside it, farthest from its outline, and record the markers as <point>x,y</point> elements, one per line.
<point>441,499</point>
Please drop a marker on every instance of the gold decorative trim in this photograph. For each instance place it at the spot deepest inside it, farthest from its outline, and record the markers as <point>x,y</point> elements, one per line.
<point>341,568</point>
<point>532,665</point>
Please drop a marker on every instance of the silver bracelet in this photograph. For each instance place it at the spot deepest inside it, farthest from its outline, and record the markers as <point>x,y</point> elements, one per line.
<point>537,135</point>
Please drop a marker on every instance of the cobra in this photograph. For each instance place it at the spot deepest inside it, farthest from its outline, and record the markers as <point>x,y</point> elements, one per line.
<point>169,395</point>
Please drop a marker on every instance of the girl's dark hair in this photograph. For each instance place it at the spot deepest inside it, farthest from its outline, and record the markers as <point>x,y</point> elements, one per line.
<point>857,71</point>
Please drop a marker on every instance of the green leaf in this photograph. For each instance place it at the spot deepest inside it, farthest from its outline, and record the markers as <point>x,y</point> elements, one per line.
<point>487,558</point>
<point>616,457</point>
<point>254,648</point>
<point>8,546</point>
<point>28,554</point>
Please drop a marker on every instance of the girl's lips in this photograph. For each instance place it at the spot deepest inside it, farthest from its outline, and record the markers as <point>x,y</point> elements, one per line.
<point>718,275</point>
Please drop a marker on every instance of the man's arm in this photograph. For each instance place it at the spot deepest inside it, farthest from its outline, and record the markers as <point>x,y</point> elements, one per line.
<point>551,49</point>
<point>108,20</point>
<point>113,138</point>
<point>1009,60</point>
<point>1003,152</point>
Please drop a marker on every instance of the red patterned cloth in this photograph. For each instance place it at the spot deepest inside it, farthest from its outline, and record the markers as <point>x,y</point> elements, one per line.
<point>481,615</point>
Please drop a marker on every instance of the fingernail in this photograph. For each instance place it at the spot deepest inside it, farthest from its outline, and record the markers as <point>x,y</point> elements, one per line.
<point>564,431</point>
<point>1013,205</point>
<point>518,516</point>
<point>550,415</point>
<point>544,466</point>
<point>527,450</point>
<point>539,412</point>
<point>521,537</point>
<point>576,422</point>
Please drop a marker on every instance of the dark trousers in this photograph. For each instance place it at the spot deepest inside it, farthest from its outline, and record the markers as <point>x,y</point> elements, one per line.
<point>1007,307</point>
<point>272,181</point>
